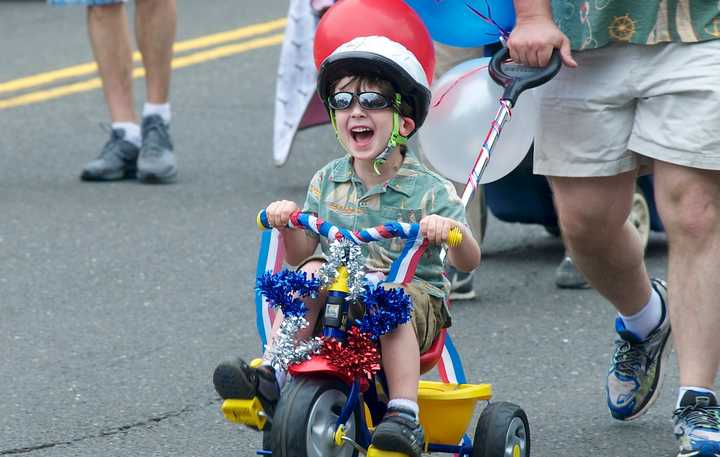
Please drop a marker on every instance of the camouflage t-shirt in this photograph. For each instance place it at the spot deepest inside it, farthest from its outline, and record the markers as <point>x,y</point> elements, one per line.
<point>592,24</point>
<point>337,195</point>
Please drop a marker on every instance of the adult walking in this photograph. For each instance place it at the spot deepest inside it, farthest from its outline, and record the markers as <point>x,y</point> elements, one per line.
<point>138,145</point>
<point>642,92</point>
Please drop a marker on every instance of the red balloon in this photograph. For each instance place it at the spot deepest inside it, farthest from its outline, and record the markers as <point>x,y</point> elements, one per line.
<point>394,19</point>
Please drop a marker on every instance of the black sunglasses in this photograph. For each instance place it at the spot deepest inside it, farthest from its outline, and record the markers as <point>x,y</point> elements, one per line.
<point>367,100</point>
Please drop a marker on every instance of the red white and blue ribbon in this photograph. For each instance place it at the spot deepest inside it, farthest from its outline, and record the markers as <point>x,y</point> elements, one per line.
<point>450,366</point>
<point>271,256</point>
<point>270,259</point>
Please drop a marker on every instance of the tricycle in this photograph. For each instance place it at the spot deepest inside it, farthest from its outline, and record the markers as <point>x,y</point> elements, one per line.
<point>337,390</point>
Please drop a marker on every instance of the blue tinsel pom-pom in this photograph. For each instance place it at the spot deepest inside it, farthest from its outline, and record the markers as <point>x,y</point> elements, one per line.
<point>278,288</point>
<point>385,309</point>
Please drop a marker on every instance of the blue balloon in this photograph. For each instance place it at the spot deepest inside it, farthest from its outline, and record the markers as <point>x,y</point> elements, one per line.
<point>466,23</point>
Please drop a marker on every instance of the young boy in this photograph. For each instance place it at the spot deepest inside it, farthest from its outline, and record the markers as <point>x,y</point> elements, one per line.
<point>377,95</point>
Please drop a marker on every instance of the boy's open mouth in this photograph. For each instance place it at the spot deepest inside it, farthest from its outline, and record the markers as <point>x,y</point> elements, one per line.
<point>362,135</point>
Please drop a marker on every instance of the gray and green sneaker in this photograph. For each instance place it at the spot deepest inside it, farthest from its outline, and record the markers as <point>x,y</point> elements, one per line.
<point>117,160</point>
<point>697,425</point>
<point>462,285</point>
<point>638,366</point>
<point>156,162</point>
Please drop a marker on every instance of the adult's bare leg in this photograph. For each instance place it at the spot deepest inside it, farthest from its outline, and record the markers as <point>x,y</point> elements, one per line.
<point>689,204</point>
<point>110,41</point>
<point>155,26</point>
<point>593,214</point>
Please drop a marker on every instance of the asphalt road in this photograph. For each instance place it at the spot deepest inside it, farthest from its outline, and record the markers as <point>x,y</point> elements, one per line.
<point>117,300</point>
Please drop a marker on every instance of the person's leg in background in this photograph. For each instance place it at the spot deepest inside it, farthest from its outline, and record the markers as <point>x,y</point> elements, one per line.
<point>155,27</point>
<point>110,41</point>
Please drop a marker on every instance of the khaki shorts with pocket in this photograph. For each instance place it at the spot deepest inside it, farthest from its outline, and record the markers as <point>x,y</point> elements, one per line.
<point>627,104</point>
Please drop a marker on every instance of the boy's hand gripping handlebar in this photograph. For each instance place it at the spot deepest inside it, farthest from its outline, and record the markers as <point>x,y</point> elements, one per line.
<point>389,230</point>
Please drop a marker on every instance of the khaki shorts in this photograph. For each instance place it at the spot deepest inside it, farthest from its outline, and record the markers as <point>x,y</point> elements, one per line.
<point>627,104</point>
<point>429,312</point>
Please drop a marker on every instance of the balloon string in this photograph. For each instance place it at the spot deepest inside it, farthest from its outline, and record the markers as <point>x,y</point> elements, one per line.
<point>455,83</point>
<point>489,19</point>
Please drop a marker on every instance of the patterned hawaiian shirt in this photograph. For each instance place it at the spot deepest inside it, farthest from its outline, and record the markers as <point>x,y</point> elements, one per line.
<point>592,24</point>
<point>337,195</point>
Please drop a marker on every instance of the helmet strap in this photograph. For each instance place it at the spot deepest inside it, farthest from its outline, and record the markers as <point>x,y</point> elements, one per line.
<point>395,139</point>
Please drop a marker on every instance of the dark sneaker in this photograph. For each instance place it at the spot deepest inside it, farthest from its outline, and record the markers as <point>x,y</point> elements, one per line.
<point>399,431</point>
<point>697,425</point>
<point>462,286</point>
<point>117,160</point>
<point>237,379</point>
<point>156,163</point>
<point>638,367</point>
<point>567,276</point>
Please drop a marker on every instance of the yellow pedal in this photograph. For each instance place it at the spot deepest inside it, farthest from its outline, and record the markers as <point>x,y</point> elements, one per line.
<point>246,412</point>
<point>455,237</point>
<point>375,452</point>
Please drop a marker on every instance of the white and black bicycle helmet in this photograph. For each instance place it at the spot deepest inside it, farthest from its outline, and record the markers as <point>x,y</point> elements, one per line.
<point>388,60</point>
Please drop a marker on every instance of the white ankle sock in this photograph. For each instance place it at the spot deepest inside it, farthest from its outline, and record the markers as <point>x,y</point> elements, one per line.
<point>132,132</point>
<point>280,375</point>
<point>161,109</point>
<point>404,403</point>
<point>647,319</point>
<point>684,389</point>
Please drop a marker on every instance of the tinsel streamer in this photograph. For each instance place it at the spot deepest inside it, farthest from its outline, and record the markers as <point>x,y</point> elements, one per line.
<point>328,272</point>
<point>349,254</point>
<point>385,309</point>
<point>286,350</point>
<point>285,288</point>
<point>355,264</point>
<point>357,357</point>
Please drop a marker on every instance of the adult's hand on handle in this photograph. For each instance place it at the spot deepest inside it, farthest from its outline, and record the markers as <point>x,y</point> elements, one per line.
<point>533,39</point>
<point>278,213</point>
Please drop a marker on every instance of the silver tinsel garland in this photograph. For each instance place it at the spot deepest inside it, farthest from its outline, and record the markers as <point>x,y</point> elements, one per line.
<point>349,254</point>
<point>286,350</point>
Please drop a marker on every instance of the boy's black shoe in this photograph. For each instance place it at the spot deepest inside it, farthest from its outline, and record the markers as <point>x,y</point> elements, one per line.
<point>399,431</point>
<point>237,379</point>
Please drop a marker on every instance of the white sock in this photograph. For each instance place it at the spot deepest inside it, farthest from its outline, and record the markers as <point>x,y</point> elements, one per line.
<point>404,403</point>
<point>162,110</point>
<point>647,319</point>
<point>132,132</point>
<point>280,375</point>
<point>684,389</point>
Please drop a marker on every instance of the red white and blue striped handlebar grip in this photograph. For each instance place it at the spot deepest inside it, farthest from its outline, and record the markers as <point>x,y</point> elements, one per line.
<point>321,227</point>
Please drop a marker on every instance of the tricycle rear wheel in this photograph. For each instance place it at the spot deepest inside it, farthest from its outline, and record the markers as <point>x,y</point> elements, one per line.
<point>502,431</point>
<point>304,422</point>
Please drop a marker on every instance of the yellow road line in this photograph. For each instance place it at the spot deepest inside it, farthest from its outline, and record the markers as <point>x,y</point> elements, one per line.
<point>178,62</point>
<point>181,46</point>
<point>228,50</point>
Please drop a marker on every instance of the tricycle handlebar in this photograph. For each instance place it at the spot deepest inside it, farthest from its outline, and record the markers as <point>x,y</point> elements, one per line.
<point>386,231</point>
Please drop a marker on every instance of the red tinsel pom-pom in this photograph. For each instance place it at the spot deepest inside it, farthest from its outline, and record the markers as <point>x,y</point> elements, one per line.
<point>357,357</point>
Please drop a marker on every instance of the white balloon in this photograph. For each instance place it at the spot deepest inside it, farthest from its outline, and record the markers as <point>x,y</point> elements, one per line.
<point>464,103</point>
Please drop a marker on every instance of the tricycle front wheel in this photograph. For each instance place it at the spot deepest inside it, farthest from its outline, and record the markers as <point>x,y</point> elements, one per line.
<point>502,431</point>
<point>304,422</point>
